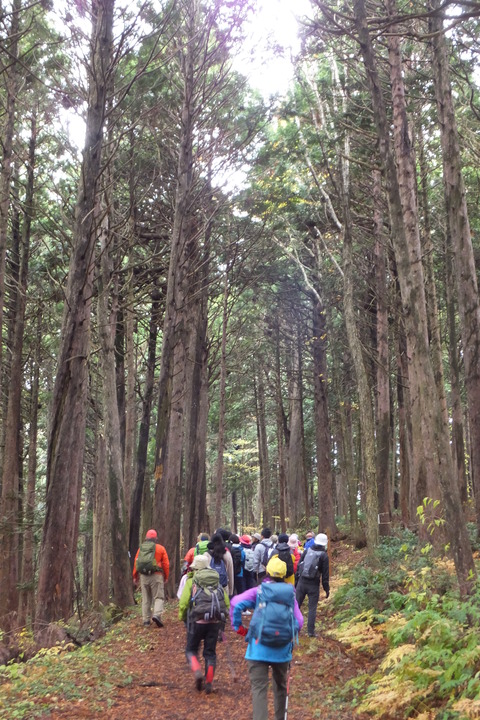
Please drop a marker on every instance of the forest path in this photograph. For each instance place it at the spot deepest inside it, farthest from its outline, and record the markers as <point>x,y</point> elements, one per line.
<point>162,686</point>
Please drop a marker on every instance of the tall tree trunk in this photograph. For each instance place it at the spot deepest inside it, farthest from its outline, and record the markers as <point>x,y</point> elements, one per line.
<point>221,408</point>
<point>263,455</point>
<point>297,492</point>
<point>66,439</point>
<point>170,421</point>
<point>459,229</point>
<point>26,611</point>
<point>10,498</point>
<point>281,449</point>
<point>367,426</point>
<point>385,489</point>
<point>120,567</point>
<point>101,542</point>
<point>325,480</point>
<point>144,431</point>
<point>10,73</point>
<point>432,457</point>
<point>130,405</point>
<point>435,340</point>
<point>458,440</point>
<point>405,440</point>
<point>195,424</point>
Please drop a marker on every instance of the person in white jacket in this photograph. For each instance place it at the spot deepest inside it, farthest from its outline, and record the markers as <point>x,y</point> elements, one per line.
<point>260,553</point>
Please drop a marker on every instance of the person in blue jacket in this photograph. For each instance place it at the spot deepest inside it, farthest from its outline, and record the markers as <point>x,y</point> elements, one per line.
<point>260,656</point>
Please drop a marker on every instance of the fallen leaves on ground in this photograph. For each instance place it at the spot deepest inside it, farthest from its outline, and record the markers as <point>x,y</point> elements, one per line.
<point>155,683</point>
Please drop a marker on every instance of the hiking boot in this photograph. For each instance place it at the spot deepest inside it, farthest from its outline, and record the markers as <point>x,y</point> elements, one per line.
<point>157,620</point>
<point>146,623</point>
<point>198,680</point>
<point>209,679</point>
<point>195,667</point>
<point>312,635</point>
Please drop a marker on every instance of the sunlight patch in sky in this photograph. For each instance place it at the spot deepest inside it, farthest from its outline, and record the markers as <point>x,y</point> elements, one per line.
<point>272,39</point>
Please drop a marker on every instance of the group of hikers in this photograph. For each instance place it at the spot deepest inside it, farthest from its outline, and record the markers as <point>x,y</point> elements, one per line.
<point>264,576</point>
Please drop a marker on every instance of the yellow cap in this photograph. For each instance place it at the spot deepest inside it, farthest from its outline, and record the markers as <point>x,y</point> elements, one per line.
<point>276,568</point>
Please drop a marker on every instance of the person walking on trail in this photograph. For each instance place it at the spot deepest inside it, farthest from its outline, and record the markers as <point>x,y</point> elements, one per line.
<point>313,567</point>
<point>284,552</point>
<point>273,629</point>
<point>262,553</point>
<point>222,561</point>
<point>151,569</point>
<point>250,579</point>
<point>238,558</point>
<point>203,607</point>
<point>294,547</point>
<point>309,540</point>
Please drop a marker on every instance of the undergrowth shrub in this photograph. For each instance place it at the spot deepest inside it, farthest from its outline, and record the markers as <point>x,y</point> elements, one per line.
<point>410,598</point>
<point>370,585</point>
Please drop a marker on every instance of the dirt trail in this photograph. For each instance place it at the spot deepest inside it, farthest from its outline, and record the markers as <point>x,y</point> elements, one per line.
<point>163,687</point>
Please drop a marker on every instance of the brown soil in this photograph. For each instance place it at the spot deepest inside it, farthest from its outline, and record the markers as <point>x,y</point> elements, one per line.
<point>163,686</point>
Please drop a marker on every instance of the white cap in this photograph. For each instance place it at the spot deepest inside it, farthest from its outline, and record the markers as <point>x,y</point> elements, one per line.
<point>200,562</point>
<point>321,539</point>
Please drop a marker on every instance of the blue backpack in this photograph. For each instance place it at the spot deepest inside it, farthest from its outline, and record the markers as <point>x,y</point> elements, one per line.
<point>273,622</point>
<point>220,567</point>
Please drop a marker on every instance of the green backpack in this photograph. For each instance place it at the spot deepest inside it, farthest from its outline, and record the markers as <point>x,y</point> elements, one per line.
<point>146,563</point>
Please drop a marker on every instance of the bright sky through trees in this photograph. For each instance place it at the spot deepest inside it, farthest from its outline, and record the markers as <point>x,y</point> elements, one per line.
<point>272,39</point>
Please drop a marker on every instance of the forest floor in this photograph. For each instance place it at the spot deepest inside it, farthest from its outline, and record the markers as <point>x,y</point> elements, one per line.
<point>151,680</point>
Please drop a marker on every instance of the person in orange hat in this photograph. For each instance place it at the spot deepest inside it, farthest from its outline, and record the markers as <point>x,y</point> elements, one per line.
<point>151,569</point>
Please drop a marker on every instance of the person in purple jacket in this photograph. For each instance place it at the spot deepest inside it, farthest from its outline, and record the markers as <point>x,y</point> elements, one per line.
<point>263,652</point>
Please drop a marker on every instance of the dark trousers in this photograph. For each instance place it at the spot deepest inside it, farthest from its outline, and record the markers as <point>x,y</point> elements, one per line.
<point>240,584</point>
<point>310,587</point>
<point>250,579</point>
<point>208,632</point>
<point>258,672</point>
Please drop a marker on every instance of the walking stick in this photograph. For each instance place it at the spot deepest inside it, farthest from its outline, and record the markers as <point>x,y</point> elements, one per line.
<point>288,690</point>
<point>229,657</point>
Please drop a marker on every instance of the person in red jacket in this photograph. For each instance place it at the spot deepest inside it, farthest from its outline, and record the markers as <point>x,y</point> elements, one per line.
<point>152,584</point>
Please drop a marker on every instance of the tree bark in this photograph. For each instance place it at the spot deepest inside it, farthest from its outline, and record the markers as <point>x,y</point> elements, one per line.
<point>432,457</point>
<point>367,426</point>
<point>66,438</point>
<point>120,567</point>
<point>144,430</point>
<point>11,75</point>
<point>263,455</point>
<point>297,492</point>
<point>458,438</point>
<point>101,541</point>
<point>460,233</point>
<point>221,408</point>
<point>11,471</point>
<point>382,425</point>
<point>26,611</point>
<point>325,479</point>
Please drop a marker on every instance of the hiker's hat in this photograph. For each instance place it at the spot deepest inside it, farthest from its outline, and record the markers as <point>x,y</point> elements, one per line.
<point>293,540</point>
<point>200,562</point>
<point>276,568</point>
<point>321,539</point>
<point>257,536</point>
<point>151,535</point>
<point>246,540</point>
